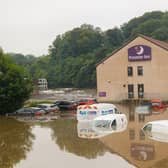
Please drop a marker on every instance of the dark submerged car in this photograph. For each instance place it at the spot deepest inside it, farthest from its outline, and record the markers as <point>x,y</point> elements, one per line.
<point>85,101</point>
<point>66,105</point>
<point>30,111</point>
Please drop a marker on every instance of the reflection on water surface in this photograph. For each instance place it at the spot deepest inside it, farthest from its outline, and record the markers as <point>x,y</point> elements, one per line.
<point>56,143</point>
<point>15,142</point>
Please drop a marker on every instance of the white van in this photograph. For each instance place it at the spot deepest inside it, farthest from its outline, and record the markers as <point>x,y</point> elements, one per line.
<point>111,123</point>
<point>89,112</point>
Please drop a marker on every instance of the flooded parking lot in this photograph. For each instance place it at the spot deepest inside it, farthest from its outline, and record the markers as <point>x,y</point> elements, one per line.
<point>51,143</point>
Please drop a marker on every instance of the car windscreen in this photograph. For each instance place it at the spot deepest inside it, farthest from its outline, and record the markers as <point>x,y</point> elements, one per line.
<point>102,123</point>
<point>35,110</point>
<point>42,106</point>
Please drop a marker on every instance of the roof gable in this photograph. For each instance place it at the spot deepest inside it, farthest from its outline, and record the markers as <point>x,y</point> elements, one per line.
<point>161,44</point>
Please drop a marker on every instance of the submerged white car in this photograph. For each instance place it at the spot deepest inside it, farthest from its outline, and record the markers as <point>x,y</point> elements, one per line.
<point>157,130</point>
<point>111,123</point>
<point>49,107</point>
<point>102,126</point>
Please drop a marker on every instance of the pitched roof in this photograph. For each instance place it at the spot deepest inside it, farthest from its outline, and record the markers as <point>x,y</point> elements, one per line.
<point>161,44</point>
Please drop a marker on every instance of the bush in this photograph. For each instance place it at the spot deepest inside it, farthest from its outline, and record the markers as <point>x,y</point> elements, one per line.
<point>15,87</point>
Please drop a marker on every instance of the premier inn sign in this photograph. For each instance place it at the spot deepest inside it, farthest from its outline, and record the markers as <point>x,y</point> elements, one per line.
<point>139,53</point>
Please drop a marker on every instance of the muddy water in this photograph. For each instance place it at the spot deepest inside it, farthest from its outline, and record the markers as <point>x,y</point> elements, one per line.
<point>56,144</point>
<point>64,94</point>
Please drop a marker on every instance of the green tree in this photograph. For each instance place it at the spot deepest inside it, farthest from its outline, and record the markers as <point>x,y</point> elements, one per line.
<point>15,87</point>
<point>147,28</point>
<point>74,54</point>
<point>161,34</point>
<point>22,60</point>
<point>39,68</point>
<point>113,38</point>
<point>79,40</point>
<point>133,24</point>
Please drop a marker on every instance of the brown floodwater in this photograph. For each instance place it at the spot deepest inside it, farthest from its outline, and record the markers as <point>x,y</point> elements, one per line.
<point>38,144</point>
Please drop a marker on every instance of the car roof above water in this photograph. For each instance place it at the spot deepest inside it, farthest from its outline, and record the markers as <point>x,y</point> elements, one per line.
<point>110,117</point>
<point>99,106</point>
<point>46,104</point>
<point>105,105</point>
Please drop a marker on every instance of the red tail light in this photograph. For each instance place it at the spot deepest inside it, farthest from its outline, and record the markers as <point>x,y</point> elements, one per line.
<point>72,107</point>
<point>38,113</point>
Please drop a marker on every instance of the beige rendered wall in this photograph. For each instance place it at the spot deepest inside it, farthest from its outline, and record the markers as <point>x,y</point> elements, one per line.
<point>112,74</point>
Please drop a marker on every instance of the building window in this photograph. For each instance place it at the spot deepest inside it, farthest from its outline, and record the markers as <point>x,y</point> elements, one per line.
<point>140,90</point>
<point>140,70</point>
<point>130,71</point>
<point>130,91</point>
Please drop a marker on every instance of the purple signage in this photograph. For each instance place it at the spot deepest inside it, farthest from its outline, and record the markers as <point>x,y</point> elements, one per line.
<point>139,53</point>
<point>102,94</point>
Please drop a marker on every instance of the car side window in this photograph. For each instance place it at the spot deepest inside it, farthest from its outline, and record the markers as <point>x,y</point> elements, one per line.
<point>20,110</point>
<point>66,103</point>
<point>27,110</point>
<point>58,103</point>
<point>114,125</point>
<point>61,103</point>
